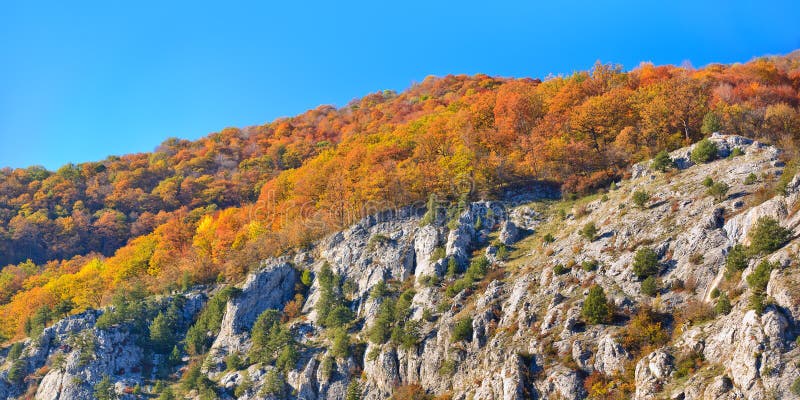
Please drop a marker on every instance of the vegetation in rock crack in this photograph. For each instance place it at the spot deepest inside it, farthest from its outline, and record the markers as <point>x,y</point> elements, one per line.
<point>462,330</point>
<point>757,280</point>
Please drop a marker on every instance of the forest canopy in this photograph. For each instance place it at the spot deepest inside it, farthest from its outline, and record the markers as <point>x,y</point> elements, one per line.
<point>199,211</point>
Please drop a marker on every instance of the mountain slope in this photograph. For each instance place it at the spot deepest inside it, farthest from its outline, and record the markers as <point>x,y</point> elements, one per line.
<point>483,300</point>
<point>199,212</point>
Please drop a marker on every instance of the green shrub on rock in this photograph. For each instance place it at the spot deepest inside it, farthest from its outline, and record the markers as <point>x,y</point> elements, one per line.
<point>462,330</point>
<point>589,231</point>
<point>662,162</point>
<point>704,151</point>
<point>718,190</point>
<point>640,198</point>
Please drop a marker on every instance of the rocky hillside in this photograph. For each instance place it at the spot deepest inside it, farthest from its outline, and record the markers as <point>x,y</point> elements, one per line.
<point>680,282</point>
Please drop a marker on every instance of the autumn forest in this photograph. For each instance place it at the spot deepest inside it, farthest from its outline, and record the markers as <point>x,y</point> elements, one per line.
<point>196,212</point>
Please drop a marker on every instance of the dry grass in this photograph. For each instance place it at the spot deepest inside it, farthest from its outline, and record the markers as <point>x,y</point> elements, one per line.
<point>760,195</point>
<point>694,312</point>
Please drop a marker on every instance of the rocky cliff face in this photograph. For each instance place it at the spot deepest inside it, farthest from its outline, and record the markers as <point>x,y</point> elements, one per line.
<point>516,330</point>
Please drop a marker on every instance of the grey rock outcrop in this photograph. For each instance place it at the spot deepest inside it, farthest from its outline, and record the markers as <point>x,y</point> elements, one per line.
<point>268,288</point>
<point>610,356</point>
<point>651,372</point>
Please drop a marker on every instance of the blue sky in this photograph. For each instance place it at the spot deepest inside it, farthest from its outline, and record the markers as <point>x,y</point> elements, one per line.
<point>82,80</point>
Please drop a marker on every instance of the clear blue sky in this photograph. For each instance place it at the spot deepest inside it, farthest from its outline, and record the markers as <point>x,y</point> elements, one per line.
<point>80,80</point>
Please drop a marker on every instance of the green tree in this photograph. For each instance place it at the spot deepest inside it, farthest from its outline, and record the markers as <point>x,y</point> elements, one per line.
<point>662,162</point>
<point>15,351</point>
<point>167,394</point>
<point>327,295</point>
<point>719,191</point>
<point>162,336</point>
<point>64,307</point>
<point>452,267</point>
<point>340,315</point>
<point>331,309</point>
<point>736,260</point>
<point>270,338</point>
<point>645,263</point>
<point>104,390</point>
<point>649,286</point>
<point>796,387</point>
<point>245,386</point>
<point>704,151</point>
<point>406,334</point>
<point>711,123</point>
<point>402,308</point>
<point>477,268</point>
<point>353,390</point>
<point>208,323</point>
<point>640,198</point>
<point>589,231</point>
<point>192,377</point>
<point>462,330</point>
<point>233,362</point>
<point>596,309</point>
<point>378,291</point>
<point>340,347</point>
<point>502,253</point>
<point>17,371</point>
<point>273,384</point>
<point>287,358</point>
<point>326,367</point>
<point>723,305</point>
<point>41,317</point>
<point>430,215</point>
<point>589,265</point>
<point>174,356</point>
<point>381,329</point>
<point>736,152</point>
<point>758,280</point>
<point>767,236</point>
<point>560,269</point>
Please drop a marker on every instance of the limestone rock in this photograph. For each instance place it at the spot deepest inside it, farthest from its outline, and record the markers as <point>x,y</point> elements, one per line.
<point>268,288</point>
<point>651,371</point>
<point>610,356</point>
